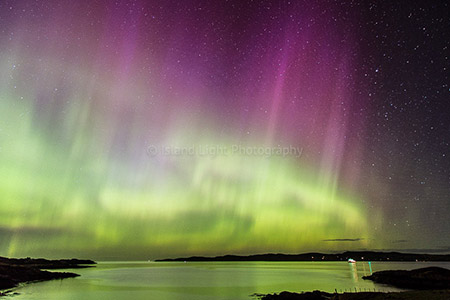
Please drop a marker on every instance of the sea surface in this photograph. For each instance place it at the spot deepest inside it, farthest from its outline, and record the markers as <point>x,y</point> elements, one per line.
<point>209,280</point>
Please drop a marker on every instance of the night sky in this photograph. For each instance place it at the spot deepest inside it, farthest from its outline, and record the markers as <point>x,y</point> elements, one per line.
<point>152,129</point>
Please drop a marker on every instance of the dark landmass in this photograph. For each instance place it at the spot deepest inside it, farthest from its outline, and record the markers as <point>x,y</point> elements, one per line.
<point>357,255</point>
<point>317,295</point>
<point>14,271</point>
<point>433,283</point>
<point>425,278</point>
<point>11,276</point>
<point>42,263</point>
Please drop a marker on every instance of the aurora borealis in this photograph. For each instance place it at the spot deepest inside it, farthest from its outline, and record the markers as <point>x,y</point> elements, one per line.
<point>91,92</point>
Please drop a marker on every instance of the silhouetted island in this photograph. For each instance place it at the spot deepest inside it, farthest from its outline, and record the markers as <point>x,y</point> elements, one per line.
<point>357,255</point>
<point>18,270</point>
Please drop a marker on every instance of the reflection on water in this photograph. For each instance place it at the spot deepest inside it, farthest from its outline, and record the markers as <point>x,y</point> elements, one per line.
<point>209,280</point>
<point>365,270</point>
<point>354,272</point>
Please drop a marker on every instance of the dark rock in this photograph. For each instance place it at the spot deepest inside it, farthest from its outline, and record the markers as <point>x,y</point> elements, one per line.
<point>410,295</point>
<point>425,278</point>
<point>14,271</point>
<point>315,295</point>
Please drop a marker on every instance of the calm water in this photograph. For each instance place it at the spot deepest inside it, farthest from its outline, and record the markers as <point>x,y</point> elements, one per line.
<point>207,280</point>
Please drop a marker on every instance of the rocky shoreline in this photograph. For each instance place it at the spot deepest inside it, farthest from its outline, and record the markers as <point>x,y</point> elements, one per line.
<point>318,295</point>
<point>14,271</point>
<point>431,278</point>
<point>432,283</point>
